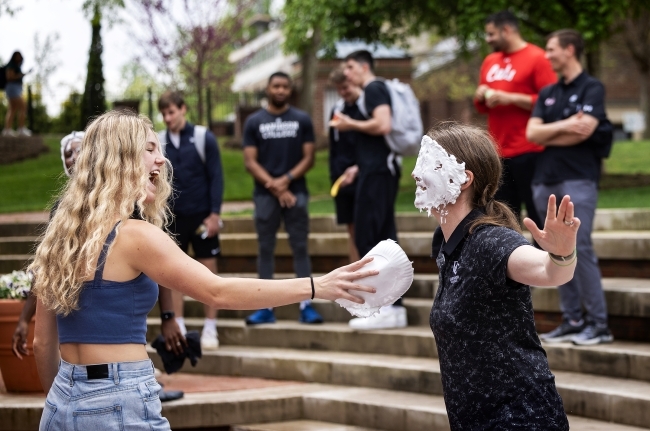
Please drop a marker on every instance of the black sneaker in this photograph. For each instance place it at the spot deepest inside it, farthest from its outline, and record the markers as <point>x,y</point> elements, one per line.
<point>593,334</point>
<point>565,332</point>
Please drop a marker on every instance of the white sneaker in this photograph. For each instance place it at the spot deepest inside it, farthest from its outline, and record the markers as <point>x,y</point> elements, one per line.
<point>8,132</point>
<point>24,132</point>
<point>391,316</point>
<point>209,340</point>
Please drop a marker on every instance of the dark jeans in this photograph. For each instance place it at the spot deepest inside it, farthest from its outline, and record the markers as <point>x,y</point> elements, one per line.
<point>268,214</point>
<point>585,289</point>
<point>515,188</point>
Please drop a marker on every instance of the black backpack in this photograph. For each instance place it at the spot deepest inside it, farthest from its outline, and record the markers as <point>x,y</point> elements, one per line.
<point>3,77</point>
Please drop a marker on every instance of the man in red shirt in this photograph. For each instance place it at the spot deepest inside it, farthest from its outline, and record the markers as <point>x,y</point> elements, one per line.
<point>511,77</point>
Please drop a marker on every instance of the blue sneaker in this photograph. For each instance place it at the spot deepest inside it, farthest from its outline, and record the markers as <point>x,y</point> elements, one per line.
<point>309,315</point>
<point>261,316</point>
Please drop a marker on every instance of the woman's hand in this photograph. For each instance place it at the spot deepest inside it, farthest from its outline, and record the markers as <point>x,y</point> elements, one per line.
<point>560,230</point>
<point>338,283</point>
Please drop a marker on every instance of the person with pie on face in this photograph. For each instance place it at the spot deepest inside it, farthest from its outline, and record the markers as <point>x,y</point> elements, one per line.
<point>494,371</point>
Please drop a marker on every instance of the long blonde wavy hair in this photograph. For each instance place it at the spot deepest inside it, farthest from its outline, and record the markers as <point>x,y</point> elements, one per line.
<point>108,183</point>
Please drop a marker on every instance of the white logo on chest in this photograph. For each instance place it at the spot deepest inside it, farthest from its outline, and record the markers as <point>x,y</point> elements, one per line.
<point>454,268</point>
<point>496,73</point>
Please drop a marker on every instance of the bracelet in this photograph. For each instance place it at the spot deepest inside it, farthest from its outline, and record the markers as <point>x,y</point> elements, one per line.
<point>313,290</point>
<point>288,174</point>
<point>568,260</point>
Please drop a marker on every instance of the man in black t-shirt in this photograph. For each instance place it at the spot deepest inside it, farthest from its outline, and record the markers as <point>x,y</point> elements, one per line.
<point>569,119</point>
<point>278,151</point>
<point>378,177</point>
<point>343,158</point>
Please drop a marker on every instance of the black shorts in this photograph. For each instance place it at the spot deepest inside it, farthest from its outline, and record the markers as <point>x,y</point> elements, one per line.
<point>184,229</point>
<point>344,203</point>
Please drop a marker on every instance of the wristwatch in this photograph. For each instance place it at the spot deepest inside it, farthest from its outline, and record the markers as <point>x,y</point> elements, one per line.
<point>166,315</point>
<point>288,174</point>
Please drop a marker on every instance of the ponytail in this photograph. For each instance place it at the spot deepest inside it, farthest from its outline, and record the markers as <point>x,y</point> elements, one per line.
<point>497,214</point>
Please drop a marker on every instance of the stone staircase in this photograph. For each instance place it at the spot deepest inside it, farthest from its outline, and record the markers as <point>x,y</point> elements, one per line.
<point>343,379</point>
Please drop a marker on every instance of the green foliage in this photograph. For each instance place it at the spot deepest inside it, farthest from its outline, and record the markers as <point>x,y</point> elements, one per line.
<point>94,100</point>
<point>335,20</point>
<point>70,115</point>
<point>629,158</point>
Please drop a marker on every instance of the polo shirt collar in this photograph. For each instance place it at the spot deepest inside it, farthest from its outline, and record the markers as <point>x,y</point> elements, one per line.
<point>460,232</point>
<point>576,81</point>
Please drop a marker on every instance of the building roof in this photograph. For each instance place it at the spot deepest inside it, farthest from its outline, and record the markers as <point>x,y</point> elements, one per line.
<point>378,50</point>
<point>442,53</point>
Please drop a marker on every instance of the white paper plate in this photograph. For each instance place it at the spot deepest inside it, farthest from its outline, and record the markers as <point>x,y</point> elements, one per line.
<point>394,279</point>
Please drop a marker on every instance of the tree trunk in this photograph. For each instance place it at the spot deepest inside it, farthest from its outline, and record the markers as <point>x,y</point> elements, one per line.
<point>199,103</point>
<point>309,63</point>
<point>593,61</point>
<point>644,101</point>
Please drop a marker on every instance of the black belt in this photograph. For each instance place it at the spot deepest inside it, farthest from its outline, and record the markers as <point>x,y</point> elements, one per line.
<point>99,371</point>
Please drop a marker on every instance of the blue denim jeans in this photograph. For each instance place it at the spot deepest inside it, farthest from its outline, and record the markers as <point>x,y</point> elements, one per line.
<point>125,400</point>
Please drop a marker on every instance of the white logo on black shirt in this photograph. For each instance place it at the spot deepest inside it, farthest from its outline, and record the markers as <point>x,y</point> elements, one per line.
<point>573,98</point>
<point>587,108</point>
<point>279,129</point>
<point>549,101</point>
<point>454,268</point>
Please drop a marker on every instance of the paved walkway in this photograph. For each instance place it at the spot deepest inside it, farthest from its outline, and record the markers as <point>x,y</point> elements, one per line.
<point>42,216</point>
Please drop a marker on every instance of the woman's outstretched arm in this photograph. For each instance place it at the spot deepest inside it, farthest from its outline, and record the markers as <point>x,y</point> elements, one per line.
<point>148,249</point>
<point>535,267</point>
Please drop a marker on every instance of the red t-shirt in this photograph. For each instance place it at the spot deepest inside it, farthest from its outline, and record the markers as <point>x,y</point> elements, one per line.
<point>525,71</point>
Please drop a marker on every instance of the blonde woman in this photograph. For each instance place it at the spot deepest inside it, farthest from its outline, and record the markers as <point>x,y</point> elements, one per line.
<point>97,278</point>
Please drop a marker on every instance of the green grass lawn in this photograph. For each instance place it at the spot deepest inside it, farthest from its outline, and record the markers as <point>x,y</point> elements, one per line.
<point>31,184</point>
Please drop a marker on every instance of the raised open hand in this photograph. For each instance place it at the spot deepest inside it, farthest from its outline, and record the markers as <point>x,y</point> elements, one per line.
<point>338,283</point>
<point>560,228</point>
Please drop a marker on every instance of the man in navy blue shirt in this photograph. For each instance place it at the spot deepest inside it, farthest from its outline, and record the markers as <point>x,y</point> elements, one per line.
<point>569,120</point>
<point>198,193</point>
<point>278,151</point>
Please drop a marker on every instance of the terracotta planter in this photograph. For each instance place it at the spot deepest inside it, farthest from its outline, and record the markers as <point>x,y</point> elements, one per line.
<point>18,375</point>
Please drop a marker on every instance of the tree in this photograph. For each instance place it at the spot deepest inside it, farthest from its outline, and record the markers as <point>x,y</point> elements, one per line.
<point>46,61</point>
<point>70,116</point>
<point>192,41</point>
<point>635,26</point>
<point>94,101</point>
<point>7,8</point>
<point>313,25</point>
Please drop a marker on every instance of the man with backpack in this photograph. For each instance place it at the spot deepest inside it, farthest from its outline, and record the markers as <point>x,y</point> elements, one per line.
<point>383,135</point>
<point>198,185</point>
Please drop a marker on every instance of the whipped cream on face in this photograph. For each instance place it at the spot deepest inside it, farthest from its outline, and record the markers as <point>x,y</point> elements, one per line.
<point>438,177</point>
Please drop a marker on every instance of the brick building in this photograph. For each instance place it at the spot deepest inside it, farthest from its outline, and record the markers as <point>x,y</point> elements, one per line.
<point>262,56</point>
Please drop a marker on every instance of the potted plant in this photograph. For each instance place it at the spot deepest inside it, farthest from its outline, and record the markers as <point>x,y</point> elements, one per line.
<point>18,375</point>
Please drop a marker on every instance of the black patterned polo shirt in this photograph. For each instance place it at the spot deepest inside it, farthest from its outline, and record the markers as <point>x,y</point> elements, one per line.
<point>495,374</point>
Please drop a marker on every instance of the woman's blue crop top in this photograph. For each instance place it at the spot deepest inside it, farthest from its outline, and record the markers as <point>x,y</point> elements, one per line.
<point>110,312</point>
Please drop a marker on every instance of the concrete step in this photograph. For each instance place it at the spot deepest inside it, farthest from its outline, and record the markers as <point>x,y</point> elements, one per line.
<point>13,262</point>
<point>411,341</point>
<point>623,245</point>
<point>17,245</point>
<point>604,398</point>
<point>621,359</point>
<point>620,253</point>
<point>300,425</point>
<point>360,407</point>
<point>605,220</point>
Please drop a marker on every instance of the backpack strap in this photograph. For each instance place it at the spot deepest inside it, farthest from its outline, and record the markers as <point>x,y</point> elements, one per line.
<point>199,141</point>
<point>338,107</point>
